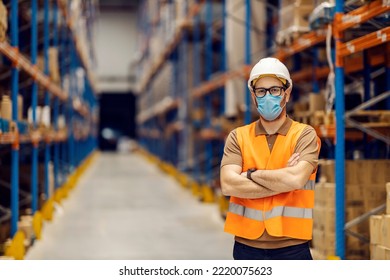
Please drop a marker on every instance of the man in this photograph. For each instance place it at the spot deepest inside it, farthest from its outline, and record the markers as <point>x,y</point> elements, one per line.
<point>268,169</point>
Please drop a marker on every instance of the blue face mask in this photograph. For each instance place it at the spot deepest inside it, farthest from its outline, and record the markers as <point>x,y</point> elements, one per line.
<point>269,106</point>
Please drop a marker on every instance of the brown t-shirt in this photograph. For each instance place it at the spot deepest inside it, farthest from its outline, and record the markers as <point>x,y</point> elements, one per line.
<point>308,151</point>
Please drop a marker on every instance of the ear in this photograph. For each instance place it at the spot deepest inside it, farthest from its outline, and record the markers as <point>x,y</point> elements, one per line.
<point>288,93</point>
<point>254,98</point>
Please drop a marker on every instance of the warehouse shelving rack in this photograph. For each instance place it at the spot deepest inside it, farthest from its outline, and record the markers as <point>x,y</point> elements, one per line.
<point>346,64</point>
<point>342,22</point>
<point>176,114</point>
<point>68,149</point>
<point>345,129</point>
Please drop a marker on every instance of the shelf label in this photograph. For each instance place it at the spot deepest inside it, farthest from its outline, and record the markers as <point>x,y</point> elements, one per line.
<point>304,42</point>
<point>352,18</point>
<point>350,47</point>
<point>381,36</point>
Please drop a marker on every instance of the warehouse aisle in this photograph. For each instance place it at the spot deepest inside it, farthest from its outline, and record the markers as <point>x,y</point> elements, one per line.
<point>126,208</point>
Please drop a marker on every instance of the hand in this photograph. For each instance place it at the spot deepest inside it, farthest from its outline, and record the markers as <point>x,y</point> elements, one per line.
<point>293,160</point>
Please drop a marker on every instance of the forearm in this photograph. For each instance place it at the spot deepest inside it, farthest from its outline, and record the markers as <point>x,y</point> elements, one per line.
<point>240,186</point>
<point>281,180</point>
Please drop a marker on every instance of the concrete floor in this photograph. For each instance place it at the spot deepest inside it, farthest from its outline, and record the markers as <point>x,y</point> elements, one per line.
<point>125,208</point>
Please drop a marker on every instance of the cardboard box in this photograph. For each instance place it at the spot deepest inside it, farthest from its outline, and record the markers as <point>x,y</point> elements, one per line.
<point>388,198</point>
<point>325,195</point>
<point>379,171</point>
<point>377,252</point>
<point>351,174</point>
<point>352,212</point>
<point>387,254</point>
<point>386,231</point>
<point>324,243</point>
<point>285,3</point>
<point>373,196</point>
<point>295,17</point>
<point>3,21</point>
<point>354,195</point>
<point>329,167</point>
<point>324,219</point>
<point>316,102</point>
<point>376,222</point>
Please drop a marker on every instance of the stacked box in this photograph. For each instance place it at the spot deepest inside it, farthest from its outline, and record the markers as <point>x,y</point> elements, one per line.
<point>316,102</point>
<point>54,68</point>
<point>324,221</point>
<point>293,20</point>
<point>3,22</point>
<point>387,198</point>
<point>380,237</point>
<point>364,191</point>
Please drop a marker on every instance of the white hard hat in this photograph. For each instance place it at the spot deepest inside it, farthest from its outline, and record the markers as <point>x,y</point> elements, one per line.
<point>269,66</point>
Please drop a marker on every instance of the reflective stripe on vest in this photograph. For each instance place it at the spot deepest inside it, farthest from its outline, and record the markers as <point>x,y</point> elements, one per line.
<point>291,212</point>
<point>257,215</point>
<point>245,211</point>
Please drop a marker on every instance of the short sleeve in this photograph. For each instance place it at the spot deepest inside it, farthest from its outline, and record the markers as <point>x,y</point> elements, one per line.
<point>232,151</point>
<point>307,146</point>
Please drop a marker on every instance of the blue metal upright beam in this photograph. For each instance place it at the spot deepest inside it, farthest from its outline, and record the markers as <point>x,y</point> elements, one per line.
<point>34,104</point>
<point>196,82</point>
<point>208,72</point>
<point>387,74</point>
<point>72,90</point>
<point>183,110</point>
<point>46,42</point>
<point>56,105</point>
<point>248,115</point>
<point>62,53</point>
<point>340,142</point>
<point>316,86</point>
<point>223,54</point>
<point>367,96</point>
<point>15,148</point>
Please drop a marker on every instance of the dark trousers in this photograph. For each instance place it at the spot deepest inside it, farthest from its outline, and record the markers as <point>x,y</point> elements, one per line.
<point>295,252</point>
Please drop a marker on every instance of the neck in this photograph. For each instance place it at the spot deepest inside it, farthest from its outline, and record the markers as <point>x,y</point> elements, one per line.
<point>272,126</point>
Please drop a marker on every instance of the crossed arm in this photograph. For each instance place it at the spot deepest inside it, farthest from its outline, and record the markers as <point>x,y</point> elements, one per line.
<point>265,182</point>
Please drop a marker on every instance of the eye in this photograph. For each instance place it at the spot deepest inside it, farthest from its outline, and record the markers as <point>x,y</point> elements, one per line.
<point>274,90</point>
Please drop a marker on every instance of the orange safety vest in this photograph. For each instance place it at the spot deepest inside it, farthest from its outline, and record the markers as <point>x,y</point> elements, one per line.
<point>286,214</point>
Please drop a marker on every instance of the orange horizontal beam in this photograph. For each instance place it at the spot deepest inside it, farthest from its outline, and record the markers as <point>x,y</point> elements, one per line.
<point>303,42</point>
<point>33,137</point>
<point>307,74</point>
<point>24,64</point>
<point>365,42</point>
<point>220,81</point>
<point>362,14</point>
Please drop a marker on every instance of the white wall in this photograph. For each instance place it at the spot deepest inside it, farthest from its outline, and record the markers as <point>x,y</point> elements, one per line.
<point>115,47</point>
